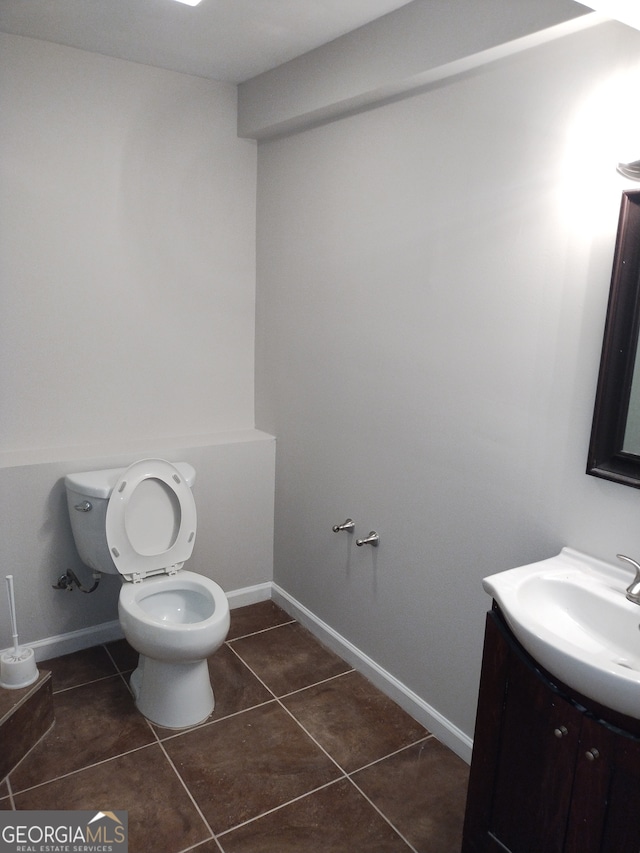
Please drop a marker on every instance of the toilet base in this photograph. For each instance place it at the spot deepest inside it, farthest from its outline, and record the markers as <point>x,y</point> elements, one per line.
<point>172,695</point>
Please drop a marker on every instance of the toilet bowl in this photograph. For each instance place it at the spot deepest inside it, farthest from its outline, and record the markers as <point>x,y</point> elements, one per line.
<point>140,522</point>
<point>175,623</point>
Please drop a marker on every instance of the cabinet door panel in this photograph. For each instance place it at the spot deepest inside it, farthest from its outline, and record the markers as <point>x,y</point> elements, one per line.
<point>493,685</point>
<point>622,817</point>
<point>537,753</point>
<point>547,775</point>
<point>590,788</point>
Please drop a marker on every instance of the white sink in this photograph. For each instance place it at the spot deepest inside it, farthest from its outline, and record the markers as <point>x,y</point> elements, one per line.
<point>571,614</point>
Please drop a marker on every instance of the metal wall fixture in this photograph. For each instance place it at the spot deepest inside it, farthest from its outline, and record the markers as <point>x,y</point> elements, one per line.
<point>347,525</point>
<point>69,579</point>
<point>630,170</point>
<point>371,539</point>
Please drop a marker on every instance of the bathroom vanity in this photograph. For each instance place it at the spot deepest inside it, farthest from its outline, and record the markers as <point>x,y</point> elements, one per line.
<point>552,771</point>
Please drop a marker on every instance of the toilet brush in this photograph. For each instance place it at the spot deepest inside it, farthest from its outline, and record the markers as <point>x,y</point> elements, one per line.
<point>18,666</point>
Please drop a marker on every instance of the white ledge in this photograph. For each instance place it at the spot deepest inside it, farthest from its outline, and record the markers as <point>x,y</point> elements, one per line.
<point>140,447</point>
<point>407,51</point>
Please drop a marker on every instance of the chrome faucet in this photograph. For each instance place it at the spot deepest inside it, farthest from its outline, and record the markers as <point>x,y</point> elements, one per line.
<point>633,590</point>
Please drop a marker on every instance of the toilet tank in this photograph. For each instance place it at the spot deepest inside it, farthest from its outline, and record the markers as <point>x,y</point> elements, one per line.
<point>88,496</point>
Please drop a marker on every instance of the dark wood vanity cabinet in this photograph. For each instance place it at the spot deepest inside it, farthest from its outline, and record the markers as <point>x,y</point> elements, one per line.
<point>551,772</point>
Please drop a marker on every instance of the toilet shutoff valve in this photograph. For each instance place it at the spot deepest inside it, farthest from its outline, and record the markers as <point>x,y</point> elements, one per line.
<point>69,580</point>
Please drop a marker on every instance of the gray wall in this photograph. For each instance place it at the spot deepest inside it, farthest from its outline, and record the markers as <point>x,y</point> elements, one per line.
<point>127,267</point>
<point>417,45</point>
<point>234,543</point>
<point>127,254</point>
<point>432,284</point>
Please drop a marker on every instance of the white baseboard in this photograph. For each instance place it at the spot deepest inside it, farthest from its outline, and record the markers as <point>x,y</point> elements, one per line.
<point>95,635</point>
<point>249,595</point>
<point>75,641</point>
<point>440,726</point>
<point>445,731</point>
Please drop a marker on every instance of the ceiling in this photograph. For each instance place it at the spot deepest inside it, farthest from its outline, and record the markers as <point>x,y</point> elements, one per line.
<point>228,40</point>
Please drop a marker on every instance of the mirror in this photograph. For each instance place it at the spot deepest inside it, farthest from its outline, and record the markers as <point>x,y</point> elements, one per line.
<point>614,450</point>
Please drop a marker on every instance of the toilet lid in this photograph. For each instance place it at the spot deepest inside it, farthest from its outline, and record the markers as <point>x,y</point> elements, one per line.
<point>151,520</point>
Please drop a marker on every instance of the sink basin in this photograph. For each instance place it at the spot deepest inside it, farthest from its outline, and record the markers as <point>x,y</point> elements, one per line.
<point>571,614</point>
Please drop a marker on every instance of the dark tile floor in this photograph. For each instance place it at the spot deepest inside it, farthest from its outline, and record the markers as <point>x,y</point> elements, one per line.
<point>301,755</point>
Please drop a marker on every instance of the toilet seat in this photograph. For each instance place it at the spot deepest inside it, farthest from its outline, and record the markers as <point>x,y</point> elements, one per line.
<point>142,535</point>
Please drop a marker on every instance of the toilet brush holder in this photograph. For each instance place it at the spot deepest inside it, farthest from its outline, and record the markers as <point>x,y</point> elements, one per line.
<point>18,668</point>
<point>18,665</point>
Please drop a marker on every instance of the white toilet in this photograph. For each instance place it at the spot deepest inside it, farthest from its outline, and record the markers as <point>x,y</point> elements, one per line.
<point>140,522</point>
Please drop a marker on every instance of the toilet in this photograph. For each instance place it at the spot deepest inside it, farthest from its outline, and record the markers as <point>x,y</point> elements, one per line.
<point>140,523</point>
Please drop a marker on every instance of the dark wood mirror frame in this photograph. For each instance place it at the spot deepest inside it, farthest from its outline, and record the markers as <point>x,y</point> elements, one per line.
<point>607,458</point>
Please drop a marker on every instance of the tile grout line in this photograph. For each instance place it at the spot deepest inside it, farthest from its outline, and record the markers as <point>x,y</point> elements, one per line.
<point>279,807</point>
<point>382,815</point>
<point>116,671</point>
<point>291,692</point>
<point>290,714</point>
<point>179,732</point>
<point>255,674</point>
<point>190,795</point>
<point>118,674</point>
<point>276,699</point>
<point>229,644</point>
<point>428,735</point>
<point>10,790</point>
<point>309,735</point>
<point>316,683</point>
<point>86,767</point>
<point>157,739</point>
<point>24,758</point>
<point>215,837</point>
<point>113,660</point>
<point>424,739</point>
<point>86,683</point>
<point>260,631</point>
<point>345,774</point>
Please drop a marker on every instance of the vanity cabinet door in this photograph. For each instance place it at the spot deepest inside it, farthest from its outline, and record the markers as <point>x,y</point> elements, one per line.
<point>524,751</point>
<point>621,823</point>
<point>533,783</point>
<point>486,744</point>
<point>591,785</point>
<point>546,775</point>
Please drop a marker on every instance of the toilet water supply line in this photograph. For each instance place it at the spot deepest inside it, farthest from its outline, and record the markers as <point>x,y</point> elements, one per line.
<point>69,579</point>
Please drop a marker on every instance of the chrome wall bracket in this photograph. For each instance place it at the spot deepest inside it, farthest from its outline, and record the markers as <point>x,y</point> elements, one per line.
<point>371,539</point>
<point>348,525</point>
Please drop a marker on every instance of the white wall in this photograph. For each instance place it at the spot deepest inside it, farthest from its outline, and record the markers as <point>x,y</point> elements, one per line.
<point>127,252</point>
<point>433,277</point>
<point>127,301</point>
<point>410,48</point>
<point>432,285</point>
<point>234,543</point>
